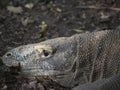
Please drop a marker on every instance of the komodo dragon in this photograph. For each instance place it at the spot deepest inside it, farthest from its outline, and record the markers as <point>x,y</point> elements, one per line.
<point>83,58</point>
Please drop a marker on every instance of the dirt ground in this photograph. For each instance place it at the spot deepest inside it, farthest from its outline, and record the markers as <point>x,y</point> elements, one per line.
<point>50,19</point>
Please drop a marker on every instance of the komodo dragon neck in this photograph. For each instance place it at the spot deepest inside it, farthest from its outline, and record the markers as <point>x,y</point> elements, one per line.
<point>98,56</point>
<point>85,63</point>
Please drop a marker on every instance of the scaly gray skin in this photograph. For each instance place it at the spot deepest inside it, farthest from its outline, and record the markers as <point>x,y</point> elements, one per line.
<point>112,83</point>
<point>69,61</point>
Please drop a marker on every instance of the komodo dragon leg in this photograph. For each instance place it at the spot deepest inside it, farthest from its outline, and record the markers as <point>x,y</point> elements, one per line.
<point>112,83</point>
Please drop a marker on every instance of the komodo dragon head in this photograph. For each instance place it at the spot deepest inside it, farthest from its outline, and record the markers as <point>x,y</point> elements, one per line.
<point>52,58</point>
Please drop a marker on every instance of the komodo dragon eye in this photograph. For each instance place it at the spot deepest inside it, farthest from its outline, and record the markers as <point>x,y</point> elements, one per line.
<point>46,53</point>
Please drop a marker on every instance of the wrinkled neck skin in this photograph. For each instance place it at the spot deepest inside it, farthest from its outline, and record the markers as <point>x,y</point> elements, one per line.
<point>82,69</point>
<point>69,77</point>
<point>77,74</point>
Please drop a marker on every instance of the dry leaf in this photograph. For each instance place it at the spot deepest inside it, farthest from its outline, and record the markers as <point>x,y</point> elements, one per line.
<point>14,9</point>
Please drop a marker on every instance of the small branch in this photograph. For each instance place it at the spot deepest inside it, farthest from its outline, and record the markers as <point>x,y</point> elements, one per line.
<point>95,7</point>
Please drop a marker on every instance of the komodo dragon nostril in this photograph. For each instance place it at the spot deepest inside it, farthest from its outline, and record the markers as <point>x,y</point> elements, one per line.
<point>8,54</point>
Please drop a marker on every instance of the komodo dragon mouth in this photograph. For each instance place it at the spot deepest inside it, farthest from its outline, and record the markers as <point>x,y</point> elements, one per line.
<point>32,71</point>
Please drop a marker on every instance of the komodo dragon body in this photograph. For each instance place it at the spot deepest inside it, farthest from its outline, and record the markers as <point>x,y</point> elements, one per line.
<point>79,59</point>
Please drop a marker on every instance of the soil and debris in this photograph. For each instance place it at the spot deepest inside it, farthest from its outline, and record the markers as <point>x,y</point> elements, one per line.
<point>30,21</point>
